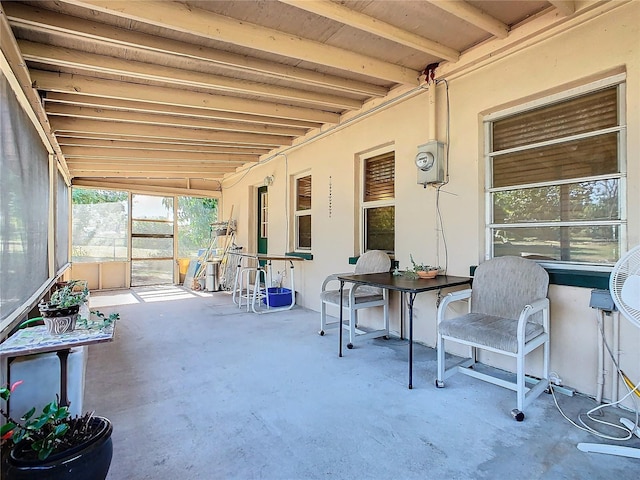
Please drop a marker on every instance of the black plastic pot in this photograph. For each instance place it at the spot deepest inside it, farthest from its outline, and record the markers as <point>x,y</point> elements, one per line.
<point>52,310</point>
<point>88,461</point>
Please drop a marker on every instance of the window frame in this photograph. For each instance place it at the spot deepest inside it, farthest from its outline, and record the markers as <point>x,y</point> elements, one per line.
<point>298,213</point>
<point>618,81</point>
<point>365,205</point>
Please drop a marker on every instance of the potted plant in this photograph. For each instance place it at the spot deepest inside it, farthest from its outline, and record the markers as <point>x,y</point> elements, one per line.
<point>420,270</point>
<point>61,311</point>
<point>54,445</point>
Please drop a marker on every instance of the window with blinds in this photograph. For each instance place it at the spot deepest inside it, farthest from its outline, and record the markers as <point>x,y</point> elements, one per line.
<point>555,178</point>
<point>303,213</point>
<point>378,203</point>
<point>379,177</point>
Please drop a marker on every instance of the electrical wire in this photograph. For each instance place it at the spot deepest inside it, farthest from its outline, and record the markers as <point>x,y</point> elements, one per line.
<point>438,211</point>
<point>631,390</point>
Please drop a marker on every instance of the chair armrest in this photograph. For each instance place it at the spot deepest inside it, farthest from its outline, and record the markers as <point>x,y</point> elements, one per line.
<point>540,305</point>
<point>333,278</point>
<point>449,298</point>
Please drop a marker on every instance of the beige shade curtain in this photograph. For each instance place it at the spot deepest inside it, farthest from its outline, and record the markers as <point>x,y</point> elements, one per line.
<point>24,205</point>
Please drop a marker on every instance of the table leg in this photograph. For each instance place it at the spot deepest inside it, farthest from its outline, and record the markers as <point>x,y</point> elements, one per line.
<point>412,297</point>
<point>63,355</point>
<point>340,322</point>
<point>402,294</point>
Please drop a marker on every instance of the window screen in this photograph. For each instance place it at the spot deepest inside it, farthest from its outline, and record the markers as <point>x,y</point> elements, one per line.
<point>24,196</point>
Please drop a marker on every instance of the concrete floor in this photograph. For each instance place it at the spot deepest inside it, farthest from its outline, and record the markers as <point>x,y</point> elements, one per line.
<point>198,389</point>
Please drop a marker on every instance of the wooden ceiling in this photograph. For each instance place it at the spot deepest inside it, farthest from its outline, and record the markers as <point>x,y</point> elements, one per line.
<point>172,96</point>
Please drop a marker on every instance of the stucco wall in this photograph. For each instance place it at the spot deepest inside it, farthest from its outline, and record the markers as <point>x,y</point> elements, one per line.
<point>605,44</point>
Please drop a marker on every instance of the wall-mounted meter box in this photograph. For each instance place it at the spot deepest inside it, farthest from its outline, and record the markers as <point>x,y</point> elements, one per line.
<point>602,300</point>
<point>430,162</point>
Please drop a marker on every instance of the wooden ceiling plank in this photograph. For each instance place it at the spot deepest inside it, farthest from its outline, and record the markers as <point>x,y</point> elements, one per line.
<point>90,62</point>
<point>66,124</point>
<point>62,82</point>
<point>152,185</point>
<point>137,162</point>
<point>35,19</point>
<point>183,18</point>
<point>158,155</point>
<point>65,110</point>
<point>169,172</point>
<point>98,169</point>
<point>566,7</point>
<point>474,16</point>
<point>130,105</point>
<point>155,146</point>
<point>358,20</point>
<point>152,142</point>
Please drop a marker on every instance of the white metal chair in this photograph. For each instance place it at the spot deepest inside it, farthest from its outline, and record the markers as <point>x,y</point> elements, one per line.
<point>508,314</point>
<point>247,281</point>
<point>358,297</point>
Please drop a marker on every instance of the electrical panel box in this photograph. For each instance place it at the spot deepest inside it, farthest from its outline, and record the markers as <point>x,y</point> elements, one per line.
<point>430,162</point>
<point>602,300</point>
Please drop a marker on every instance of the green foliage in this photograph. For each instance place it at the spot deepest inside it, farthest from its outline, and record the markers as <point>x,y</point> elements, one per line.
<point>89,195</point>
<point>421,267</point>
<point>102,322</point>
<point>69,295</point>
<point>195,216</point>
<point>415,268</point>
<point>44,432</point>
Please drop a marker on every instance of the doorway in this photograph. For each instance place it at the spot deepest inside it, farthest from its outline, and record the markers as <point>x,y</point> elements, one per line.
<point>263,219</point>
<point>152,242</point>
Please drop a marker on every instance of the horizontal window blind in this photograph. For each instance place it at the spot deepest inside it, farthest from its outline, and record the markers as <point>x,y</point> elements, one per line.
<point>588,113</point>
<point>575,159</point>
<point>303,193</point>
<point>379,177</point>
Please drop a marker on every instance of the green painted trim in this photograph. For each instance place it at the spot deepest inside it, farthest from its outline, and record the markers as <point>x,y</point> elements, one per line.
<point>579,278</point>
<point>306,256</point>
<point>353,260</point>
<point>573,278</point>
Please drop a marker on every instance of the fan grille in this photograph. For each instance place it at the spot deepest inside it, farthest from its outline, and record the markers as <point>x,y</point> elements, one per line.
<point>624,285</point>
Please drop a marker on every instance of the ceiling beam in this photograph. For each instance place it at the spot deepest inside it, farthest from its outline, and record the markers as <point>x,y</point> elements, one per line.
<point>184,18</point>
<point>566,7</point>
<point>62,82</point>
<point>90,62</point>
<point>147,172</point>
<point>155,155</point>
<point>136,106</point>
<point>358,20</point>
<point>155,146</point>
<point>65,110</point>
<point>173,186</point>
<point>474,16</point>
<point>85,163</point>
<point>66,124</point>
<point>47,22</point>
<point>152,142</point>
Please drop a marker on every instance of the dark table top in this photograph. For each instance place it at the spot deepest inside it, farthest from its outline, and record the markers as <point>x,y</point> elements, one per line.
<point>402,283</point>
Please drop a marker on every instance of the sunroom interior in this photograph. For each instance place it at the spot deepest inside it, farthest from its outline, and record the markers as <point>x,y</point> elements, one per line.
<point>449,132</point>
